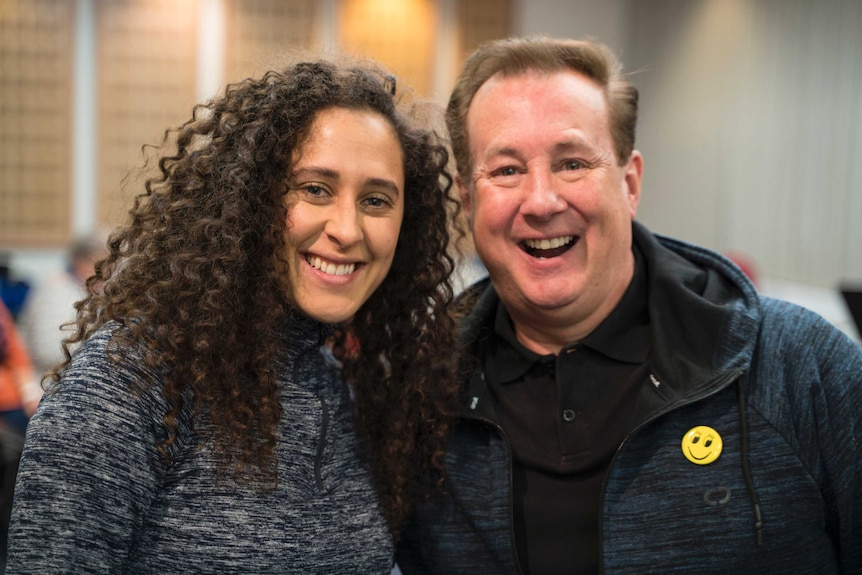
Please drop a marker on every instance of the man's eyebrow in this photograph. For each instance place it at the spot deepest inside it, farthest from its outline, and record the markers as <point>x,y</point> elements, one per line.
<point>502,151</point>
<point>570,145</point>
<point>576,145</point>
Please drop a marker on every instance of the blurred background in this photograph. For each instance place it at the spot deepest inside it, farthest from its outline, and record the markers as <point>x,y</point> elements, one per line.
<point>751,110</point>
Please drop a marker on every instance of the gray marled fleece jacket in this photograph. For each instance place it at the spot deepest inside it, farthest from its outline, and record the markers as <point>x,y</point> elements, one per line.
<point>94,496</point>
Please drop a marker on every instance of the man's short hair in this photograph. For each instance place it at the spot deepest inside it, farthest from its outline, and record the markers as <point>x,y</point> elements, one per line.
<point>513,56</point>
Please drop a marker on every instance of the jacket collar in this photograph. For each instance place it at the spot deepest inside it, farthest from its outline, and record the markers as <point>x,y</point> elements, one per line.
<point>704,316</point>
<point>704,313</point>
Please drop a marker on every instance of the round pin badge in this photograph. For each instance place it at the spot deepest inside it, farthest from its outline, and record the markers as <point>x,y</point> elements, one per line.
<point>702,445</point>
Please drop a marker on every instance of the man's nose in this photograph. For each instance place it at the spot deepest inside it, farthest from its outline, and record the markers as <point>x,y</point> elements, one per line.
<point>541,198</point>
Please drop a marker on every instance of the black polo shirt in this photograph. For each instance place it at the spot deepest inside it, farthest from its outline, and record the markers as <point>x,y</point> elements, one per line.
<point>565,416</point>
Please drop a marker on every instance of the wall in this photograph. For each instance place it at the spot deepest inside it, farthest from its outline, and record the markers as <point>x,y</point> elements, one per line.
<point>602,20</point>
<point>751,124</point>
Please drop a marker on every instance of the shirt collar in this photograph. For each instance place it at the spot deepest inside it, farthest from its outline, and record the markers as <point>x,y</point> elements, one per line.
<point>504,357</point>
<point>623,336</point>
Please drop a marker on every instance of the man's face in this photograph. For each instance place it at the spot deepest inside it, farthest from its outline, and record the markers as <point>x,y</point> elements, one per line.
<point>549,205</point>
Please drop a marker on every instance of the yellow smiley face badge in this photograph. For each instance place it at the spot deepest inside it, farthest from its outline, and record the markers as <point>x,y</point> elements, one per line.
<point>701,445</point>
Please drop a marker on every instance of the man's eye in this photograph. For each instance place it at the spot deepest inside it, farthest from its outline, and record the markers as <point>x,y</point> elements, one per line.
<point>505,171</point>
<point>572,165</point>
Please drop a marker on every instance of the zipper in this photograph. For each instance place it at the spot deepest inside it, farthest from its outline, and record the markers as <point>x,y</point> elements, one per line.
<point>321,444</point>
<point>496,426</point>
<point>324,416</point>
<point>511,504</point>
<point>714,387</point>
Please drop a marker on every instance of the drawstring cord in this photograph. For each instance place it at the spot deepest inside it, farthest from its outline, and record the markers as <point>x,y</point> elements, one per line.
<point>746,472</point>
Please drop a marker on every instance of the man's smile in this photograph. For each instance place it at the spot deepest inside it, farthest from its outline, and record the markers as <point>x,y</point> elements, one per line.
<point>548,247</point>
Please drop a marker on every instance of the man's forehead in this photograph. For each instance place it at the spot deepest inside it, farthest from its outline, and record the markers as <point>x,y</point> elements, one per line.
<point>562,105</point>
<point>522,92</point>
<point>536,78</point>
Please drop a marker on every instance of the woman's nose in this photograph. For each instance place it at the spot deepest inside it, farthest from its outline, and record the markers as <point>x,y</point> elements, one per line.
<point>344,224</point>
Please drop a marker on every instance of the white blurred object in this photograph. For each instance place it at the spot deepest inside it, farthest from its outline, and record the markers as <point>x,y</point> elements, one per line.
<point>824,301</point>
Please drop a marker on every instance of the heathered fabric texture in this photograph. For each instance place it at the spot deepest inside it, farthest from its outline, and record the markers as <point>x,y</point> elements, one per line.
<point>94,496</point>
<point>801,382</point>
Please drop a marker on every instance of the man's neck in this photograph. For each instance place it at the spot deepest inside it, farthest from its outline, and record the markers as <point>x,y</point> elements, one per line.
<point>547,334</point>
<point>547,331</point>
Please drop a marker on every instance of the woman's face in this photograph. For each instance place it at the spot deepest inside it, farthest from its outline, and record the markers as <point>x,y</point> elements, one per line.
<point>345,206</point>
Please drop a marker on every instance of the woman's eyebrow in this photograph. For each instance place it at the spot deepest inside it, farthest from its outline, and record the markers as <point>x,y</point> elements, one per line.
<point>332,175</point>
<point>384,183</point>
<point>314,172</point>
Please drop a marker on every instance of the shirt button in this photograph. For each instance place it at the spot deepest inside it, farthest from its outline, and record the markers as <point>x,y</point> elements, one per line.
<point>568,415</point>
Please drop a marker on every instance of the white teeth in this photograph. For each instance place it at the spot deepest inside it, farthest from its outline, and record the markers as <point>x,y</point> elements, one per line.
<point>329,267</point>
<point>552,243</point>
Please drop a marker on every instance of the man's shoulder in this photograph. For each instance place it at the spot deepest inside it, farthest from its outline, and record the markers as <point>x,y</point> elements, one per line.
<point>795,325</point>
<point>797,355</point>
<point>467,299</point>
<point>474,306</point>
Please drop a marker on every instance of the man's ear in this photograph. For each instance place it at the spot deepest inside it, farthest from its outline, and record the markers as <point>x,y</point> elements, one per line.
<point>633,175</point>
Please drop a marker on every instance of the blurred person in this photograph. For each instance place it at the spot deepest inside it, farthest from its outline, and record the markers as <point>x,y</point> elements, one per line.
<point>630,403</point>
<point>13,291</point>
<point>17,404</point>
<point>51,303</point>
<point>18,399</point>
<point>263,375</point>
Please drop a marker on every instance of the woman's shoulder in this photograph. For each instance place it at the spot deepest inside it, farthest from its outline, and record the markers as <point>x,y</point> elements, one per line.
<point>107,366</point>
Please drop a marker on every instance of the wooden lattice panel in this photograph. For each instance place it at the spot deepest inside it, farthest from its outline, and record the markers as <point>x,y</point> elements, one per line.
<point>146,83</point>
<point>401,35</point>
<point>35,121</point>
<point>483,20</point>
<point>259,31</point>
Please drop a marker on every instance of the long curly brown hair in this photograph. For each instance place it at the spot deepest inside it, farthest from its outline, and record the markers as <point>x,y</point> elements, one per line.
<point>197,277</point>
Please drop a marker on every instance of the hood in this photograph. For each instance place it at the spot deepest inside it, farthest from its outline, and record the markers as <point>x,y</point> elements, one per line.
<point>704,312</point>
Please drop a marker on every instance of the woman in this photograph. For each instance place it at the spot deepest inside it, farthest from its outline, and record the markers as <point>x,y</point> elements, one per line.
<point>295,239</point>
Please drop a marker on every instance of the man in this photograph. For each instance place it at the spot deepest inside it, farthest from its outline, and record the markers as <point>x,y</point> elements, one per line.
<point>52,304</point>
<point>631,404</point>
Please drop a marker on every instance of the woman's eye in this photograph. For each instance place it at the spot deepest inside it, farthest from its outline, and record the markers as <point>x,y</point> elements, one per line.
<point>377,202</point>
<point>310,191</point>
